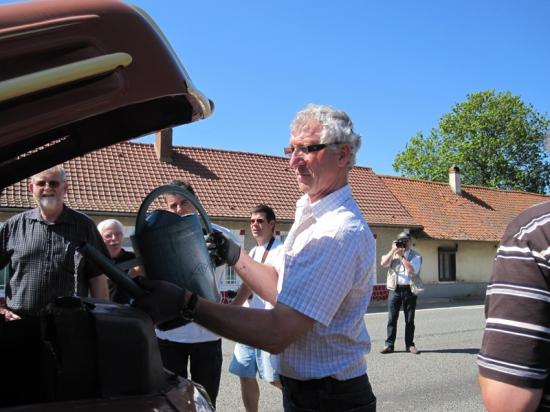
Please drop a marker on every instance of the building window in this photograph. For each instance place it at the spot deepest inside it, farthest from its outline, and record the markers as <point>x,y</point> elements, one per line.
<point>447,263</point>
<point>230,280</point>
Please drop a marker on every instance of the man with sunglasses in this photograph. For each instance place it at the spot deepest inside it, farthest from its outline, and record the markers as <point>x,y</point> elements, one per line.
<point>248,361</point>
<point>326,271</point>
<point>39,246</point>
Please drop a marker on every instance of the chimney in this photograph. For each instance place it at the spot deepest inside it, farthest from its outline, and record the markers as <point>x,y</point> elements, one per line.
<point>163,145</point>
<point>454,179</point>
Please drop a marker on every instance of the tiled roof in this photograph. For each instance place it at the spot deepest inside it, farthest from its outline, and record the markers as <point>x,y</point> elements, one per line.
<point>117,178</point>
<point>479,213</point>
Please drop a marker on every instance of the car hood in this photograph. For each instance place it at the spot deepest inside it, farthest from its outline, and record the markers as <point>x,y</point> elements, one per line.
<point>79,76</point>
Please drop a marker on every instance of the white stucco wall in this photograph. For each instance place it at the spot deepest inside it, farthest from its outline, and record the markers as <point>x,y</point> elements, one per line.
<point>474,259</point>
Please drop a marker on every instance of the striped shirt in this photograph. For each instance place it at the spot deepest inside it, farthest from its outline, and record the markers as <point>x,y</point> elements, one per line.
<point>328,275</point>
<point>516,342</point>
<point>43,259</point>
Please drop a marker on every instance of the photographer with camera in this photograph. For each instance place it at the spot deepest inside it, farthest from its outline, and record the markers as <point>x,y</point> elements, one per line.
<point>404,284</point>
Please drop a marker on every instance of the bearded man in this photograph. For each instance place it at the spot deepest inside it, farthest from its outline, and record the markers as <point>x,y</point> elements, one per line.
<point>40,248</point>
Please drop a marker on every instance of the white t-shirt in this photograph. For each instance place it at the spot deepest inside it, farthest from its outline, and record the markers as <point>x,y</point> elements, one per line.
<point>192,332</point>
<point>402,275</point>
<point>256,253</point>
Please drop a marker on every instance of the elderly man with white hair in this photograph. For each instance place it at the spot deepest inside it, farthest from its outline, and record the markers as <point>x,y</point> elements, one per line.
<point>112,232</point>
<point>40,247</point>
<point>325,275</point>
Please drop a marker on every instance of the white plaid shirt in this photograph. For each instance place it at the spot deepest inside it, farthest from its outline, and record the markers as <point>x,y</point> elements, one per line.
<point>328,275</point>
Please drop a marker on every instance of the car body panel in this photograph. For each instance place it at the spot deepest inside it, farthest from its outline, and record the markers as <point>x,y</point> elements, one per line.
<point>79,76</point>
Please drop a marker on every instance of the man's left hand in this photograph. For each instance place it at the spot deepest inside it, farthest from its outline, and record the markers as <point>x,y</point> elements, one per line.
<point>222,249</point>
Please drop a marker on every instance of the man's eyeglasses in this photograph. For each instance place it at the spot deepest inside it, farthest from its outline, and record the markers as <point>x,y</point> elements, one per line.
<point>259,221</point>
<point>303,150</point>
<point>54,184</point>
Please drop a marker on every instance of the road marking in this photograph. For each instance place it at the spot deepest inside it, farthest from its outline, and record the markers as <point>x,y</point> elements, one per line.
<point>455,307</point>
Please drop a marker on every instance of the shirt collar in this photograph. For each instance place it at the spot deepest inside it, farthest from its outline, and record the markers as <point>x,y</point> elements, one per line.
<point>36,215</point>
<point>326,203</point>
<point>267,243</point>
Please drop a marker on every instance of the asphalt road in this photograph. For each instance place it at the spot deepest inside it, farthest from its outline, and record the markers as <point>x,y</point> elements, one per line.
<point>442,378</point>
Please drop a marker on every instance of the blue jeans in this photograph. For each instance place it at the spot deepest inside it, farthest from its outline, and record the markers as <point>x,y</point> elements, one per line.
<point>401,295</point>
<point>328,395</point>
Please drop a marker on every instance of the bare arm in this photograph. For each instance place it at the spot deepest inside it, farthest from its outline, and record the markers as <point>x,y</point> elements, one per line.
<point>386,259</point>
<point>260,278</point>
<point>99,288</point>
<point>271,330</point>
<point>502,397</point>
<point>242,295</point>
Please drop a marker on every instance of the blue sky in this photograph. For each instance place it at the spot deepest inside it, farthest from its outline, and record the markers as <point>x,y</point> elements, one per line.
<point>394,66</point>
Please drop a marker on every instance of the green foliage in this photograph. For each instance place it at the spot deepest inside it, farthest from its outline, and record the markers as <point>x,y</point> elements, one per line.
<point>494,138</point>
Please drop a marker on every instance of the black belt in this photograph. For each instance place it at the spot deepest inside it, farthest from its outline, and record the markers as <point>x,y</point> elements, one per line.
<point>403,287</point>
<point>328,384</point>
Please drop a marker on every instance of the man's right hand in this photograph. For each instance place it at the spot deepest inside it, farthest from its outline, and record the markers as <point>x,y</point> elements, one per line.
<point>163,302</point>
<point>397,250</point>
<point>222,249</point>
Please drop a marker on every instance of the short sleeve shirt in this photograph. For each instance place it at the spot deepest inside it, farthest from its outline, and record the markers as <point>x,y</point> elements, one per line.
<point>516,342</point>
<point>256,253</point>
<point>402,275</point>
<point>42,258</point>
<point>328,274</point>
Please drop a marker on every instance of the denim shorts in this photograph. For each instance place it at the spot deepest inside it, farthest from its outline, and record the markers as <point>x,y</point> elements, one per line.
<point>248,361</point>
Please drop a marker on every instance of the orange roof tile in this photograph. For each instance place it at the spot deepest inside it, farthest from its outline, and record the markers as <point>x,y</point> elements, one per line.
<point>115,179</point>
<point>479,213</point>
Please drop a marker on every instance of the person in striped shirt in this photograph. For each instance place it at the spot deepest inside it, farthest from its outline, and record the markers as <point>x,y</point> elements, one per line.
<point>514,359</point>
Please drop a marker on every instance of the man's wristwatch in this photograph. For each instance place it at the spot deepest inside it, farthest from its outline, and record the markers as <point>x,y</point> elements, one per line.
<point>187,312</point>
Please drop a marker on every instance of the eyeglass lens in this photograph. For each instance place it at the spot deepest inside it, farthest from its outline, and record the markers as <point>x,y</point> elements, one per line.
<point>52,183</point>
<point>301,150</point>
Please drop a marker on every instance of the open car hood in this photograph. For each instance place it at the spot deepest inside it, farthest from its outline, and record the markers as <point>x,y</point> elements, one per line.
<point>77,76</point>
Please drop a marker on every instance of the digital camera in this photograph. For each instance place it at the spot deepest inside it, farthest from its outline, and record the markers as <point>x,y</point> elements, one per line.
<point>401,243</point>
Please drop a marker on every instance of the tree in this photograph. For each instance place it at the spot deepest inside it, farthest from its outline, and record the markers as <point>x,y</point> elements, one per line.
<point>494,138</point>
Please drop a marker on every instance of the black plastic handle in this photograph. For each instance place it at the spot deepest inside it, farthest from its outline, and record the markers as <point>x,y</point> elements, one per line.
<point>142,213</point>
<point>111,270</point>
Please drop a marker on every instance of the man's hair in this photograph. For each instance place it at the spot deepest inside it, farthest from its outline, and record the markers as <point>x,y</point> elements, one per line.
<point>268,211</point>
<point>404,235</point>
<point>183,183</point>
<point>56,169</point>
<point>104,224</point>
<point>336,126</point>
